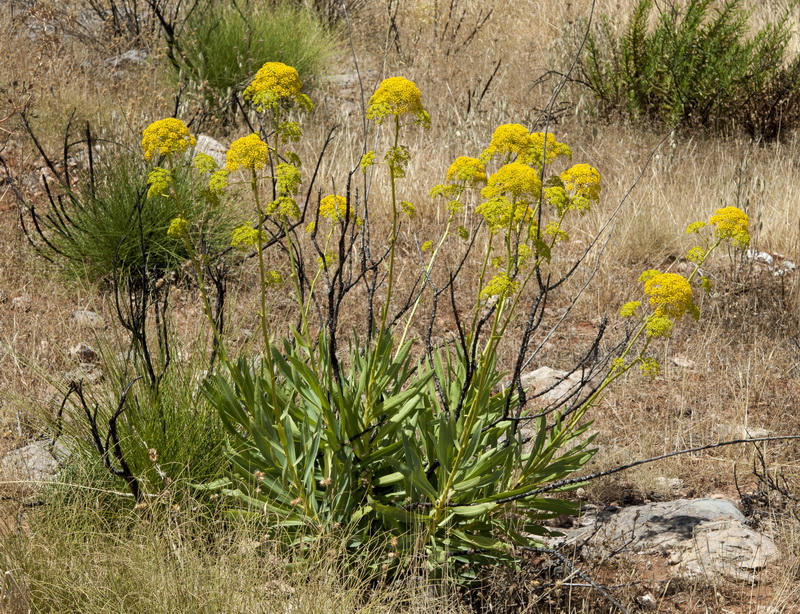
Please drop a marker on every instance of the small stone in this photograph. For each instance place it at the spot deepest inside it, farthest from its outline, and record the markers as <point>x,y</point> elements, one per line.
<point>561,383</point>
<point>34,462</point>
<point>132,56</point>
<point>83,353</point>
<point>668,484</point>
<point>21,302</point>
<point>683,362</point>
<point>647,601</point>
<point>725,431</point>
<point>87,318</point>
<point>86,372</point>
<point>699,537</point>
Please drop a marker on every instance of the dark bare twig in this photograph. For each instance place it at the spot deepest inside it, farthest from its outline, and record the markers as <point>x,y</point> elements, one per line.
<point>110,444</point>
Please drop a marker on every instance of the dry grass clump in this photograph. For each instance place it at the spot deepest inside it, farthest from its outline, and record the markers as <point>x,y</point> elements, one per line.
<point>88,553</point>
<point>733,372</point>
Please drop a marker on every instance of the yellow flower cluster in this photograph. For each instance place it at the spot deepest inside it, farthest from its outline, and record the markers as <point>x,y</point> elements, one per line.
<point>584,179</point>
<point>545,148</point>
<point>466,170</point>
<point>516,179</point>
<point>397,96</point>
<point>501,286</point>
<point>287,178</point>
<point>204,163</point>
<point>246,236</point>
<point>274,84</point>
<point>273,278</point>
<point>158,180</point>
<point>511,139</point>
<point>695,227</point>
<point>515,140</point>
<point>629,309</point>
<point>335,208</point>
<point>658,326</point>
<point>166,137</point>
<point>247,152</point>
<point>367,160</point>
<point>178,228</point>
<point>218,181</point>
<point>696,255</point>
<point>499,212</point>
<point>670,294</point>
<point>732,225</point>
<point>650,366</point>
<point>284,206</point>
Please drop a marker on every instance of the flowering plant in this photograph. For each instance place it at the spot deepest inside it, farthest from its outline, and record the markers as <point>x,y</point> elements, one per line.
<point>415,435</point>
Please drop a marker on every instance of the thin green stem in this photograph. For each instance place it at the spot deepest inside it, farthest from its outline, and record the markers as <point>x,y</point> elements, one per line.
<point>393,169</point>
<point>427,272</point>
<point>197,266</point>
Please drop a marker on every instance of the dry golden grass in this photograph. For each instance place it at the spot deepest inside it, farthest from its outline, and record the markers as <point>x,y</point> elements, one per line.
<point>744,360</point>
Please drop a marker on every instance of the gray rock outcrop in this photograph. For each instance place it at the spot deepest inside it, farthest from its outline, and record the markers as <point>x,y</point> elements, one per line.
<point>699,537</point>
<point>34,463</point>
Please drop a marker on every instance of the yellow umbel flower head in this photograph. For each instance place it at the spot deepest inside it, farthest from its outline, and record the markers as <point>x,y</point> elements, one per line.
<point>284,207</point>
<point>247,152</point>
<point>218,181</point>
<point>501,286</point>
<point>166,137</point>
<point>466,170</point>
<point>397,96</point>
<point>584,179</point>
<point>543,148</point>
<point>178,227</point>
<point>205,163</point>
<point>512,139</point>
<point>658,326</point>
<point>159,181</point>
<point>732,225</point>
<point>246,236</point>
<point>287,178</point>
<point>276,83</point>
<point>516,179</point>
<point>335,208</point>
<point>670,294</point>
<point>499,212</point>
<point>629,309</point>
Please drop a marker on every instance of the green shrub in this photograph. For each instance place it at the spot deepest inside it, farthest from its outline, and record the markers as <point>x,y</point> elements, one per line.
<point>697,66</point>
<point>151,435</point>
<point>107,226</point>
<point>223,44</point>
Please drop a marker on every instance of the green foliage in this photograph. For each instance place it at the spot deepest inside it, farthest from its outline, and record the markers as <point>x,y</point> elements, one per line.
<point>223,44</point>
<point>108,226</point>
<point>697,65</point>
<point>377,452</point>
<point>167,433</point>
